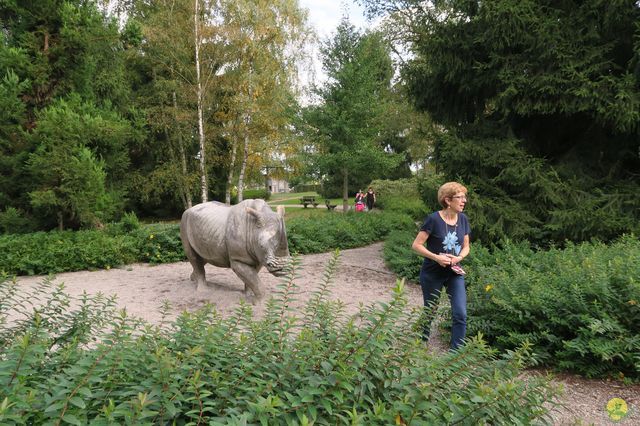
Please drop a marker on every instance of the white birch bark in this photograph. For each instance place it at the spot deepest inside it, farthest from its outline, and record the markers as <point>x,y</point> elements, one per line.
<point>245,155</point>
<point>234,150</point>
<point>247,122</point>
<point>203,170</point>
<point>184,188</point>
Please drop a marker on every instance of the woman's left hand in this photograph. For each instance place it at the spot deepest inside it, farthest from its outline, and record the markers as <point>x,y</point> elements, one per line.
<point>455,259</point>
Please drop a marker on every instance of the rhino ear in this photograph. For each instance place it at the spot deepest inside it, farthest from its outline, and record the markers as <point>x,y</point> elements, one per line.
<point>280,210</point>
<point>256,214</point>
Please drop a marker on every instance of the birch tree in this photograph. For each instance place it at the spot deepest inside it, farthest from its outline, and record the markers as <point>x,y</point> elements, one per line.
<point>197,42</point>
<point>182,48</point>
<point>346,125</point>
<point>268,36</point>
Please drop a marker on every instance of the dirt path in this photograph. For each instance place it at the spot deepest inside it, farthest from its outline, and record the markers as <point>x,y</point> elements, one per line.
<point>361,278</point>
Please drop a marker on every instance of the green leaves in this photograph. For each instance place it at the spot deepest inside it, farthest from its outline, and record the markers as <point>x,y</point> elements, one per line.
<point>345,127</point>
<point>539,108</point>
<point>575,306</point>
<point>366,368</point>
<point>328,232</point>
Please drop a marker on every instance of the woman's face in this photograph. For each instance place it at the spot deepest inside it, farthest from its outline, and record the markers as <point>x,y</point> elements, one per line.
<point>458,201</point>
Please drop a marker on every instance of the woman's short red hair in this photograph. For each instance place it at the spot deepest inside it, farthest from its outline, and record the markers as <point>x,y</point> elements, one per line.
<point>448,190</point>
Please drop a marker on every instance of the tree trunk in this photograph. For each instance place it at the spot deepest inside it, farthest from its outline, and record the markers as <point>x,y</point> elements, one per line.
<point>203,169</point>
<point>232,166</point>
<point>60,222</point>
<point>45,47</point>
<point>345,190</point>
<point>247,121</point>
<point>182,185</point>
<point>245,155</point>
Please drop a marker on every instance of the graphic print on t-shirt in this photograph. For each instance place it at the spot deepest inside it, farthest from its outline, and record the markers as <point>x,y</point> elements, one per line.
<point>450,243</point>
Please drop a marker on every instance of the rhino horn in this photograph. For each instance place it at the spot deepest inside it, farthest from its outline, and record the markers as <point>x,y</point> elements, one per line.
<point>280,210</point>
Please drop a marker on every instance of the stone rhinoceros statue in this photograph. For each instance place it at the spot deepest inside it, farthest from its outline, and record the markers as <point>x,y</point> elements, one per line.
<point>244,237</point>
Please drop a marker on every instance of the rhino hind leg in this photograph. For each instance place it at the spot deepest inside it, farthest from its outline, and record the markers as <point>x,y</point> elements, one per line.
<point>249,276</point>
<point>197,263</point>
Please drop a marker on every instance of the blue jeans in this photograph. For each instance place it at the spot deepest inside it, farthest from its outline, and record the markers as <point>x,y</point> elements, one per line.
<point>432,283</point>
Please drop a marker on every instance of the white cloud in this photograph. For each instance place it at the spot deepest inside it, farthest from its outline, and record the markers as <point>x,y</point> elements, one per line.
<point>324,16</point>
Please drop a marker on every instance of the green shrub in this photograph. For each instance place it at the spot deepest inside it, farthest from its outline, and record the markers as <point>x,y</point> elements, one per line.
<point>256,193</point>
<point>428,185</point>
<point>128,241</point>
<point>413,207</point>
<point>51,252</point>
<point>94,365</point>
<point>128,223</point>
<point>120,244</point>
<point>13,221</point>
<point>159,243</point>
<point>399,256</point>
<point>578,307</point>
<point>392,189</point>
<point>400,196</point>
<point>308,188</point>
<point>327,232</point>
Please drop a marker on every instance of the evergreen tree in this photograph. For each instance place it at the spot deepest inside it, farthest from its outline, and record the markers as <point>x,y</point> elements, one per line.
<point>346,125</point>
<point>69,182</point>
<point>55,53</point>
<point>541,104</point>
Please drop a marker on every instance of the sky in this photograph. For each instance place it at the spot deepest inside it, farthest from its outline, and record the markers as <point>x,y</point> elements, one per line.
<point>324,17</point>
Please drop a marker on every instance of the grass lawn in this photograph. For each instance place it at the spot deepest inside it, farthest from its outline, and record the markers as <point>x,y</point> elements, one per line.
<point>293,195</point>
<point>292,198</point>
<point>309,212</point>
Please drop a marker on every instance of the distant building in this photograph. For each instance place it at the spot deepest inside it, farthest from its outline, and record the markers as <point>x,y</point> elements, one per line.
<point>277,185</point>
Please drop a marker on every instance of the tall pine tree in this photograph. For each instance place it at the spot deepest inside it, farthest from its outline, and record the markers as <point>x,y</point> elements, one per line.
<point>541,102</point>
<point>345,126</point>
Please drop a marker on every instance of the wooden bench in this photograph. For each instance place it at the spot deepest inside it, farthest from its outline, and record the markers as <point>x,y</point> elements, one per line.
<point>308,199</point>
<point>329,205</point>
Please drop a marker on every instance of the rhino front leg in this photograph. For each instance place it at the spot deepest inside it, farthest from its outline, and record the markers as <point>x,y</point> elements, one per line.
<point>249,275</point>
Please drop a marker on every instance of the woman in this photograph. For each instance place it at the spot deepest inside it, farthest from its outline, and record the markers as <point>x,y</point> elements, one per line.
<point>371,199</point>
<point>446,234</point>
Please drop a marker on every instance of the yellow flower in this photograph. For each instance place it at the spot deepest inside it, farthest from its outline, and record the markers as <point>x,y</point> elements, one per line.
<point>488,287</point>
<point>151,237</point>
<point>616,408</point>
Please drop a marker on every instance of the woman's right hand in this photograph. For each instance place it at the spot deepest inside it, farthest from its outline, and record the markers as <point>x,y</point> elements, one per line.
<point>443,260</point>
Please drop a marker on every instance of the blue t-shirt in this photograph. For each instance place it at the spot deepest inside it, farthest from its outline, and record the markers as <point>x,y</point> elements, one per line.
<point>444,238</point>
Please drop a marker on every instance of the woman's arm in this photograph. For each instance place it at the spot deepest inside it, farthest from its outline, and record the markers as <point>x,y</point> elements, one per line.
<point>466,248</point>
<point>418,247</point>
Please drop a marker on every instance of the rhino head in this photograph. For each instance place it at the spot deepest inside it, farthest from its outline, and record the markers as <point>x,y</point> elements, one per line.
<point>269,240</point>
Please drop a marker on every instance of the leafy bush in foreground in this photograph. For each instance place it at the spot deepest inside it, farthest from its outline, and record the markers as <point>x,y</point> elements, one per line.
<point>579,307</point>
<point>89,364</point>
